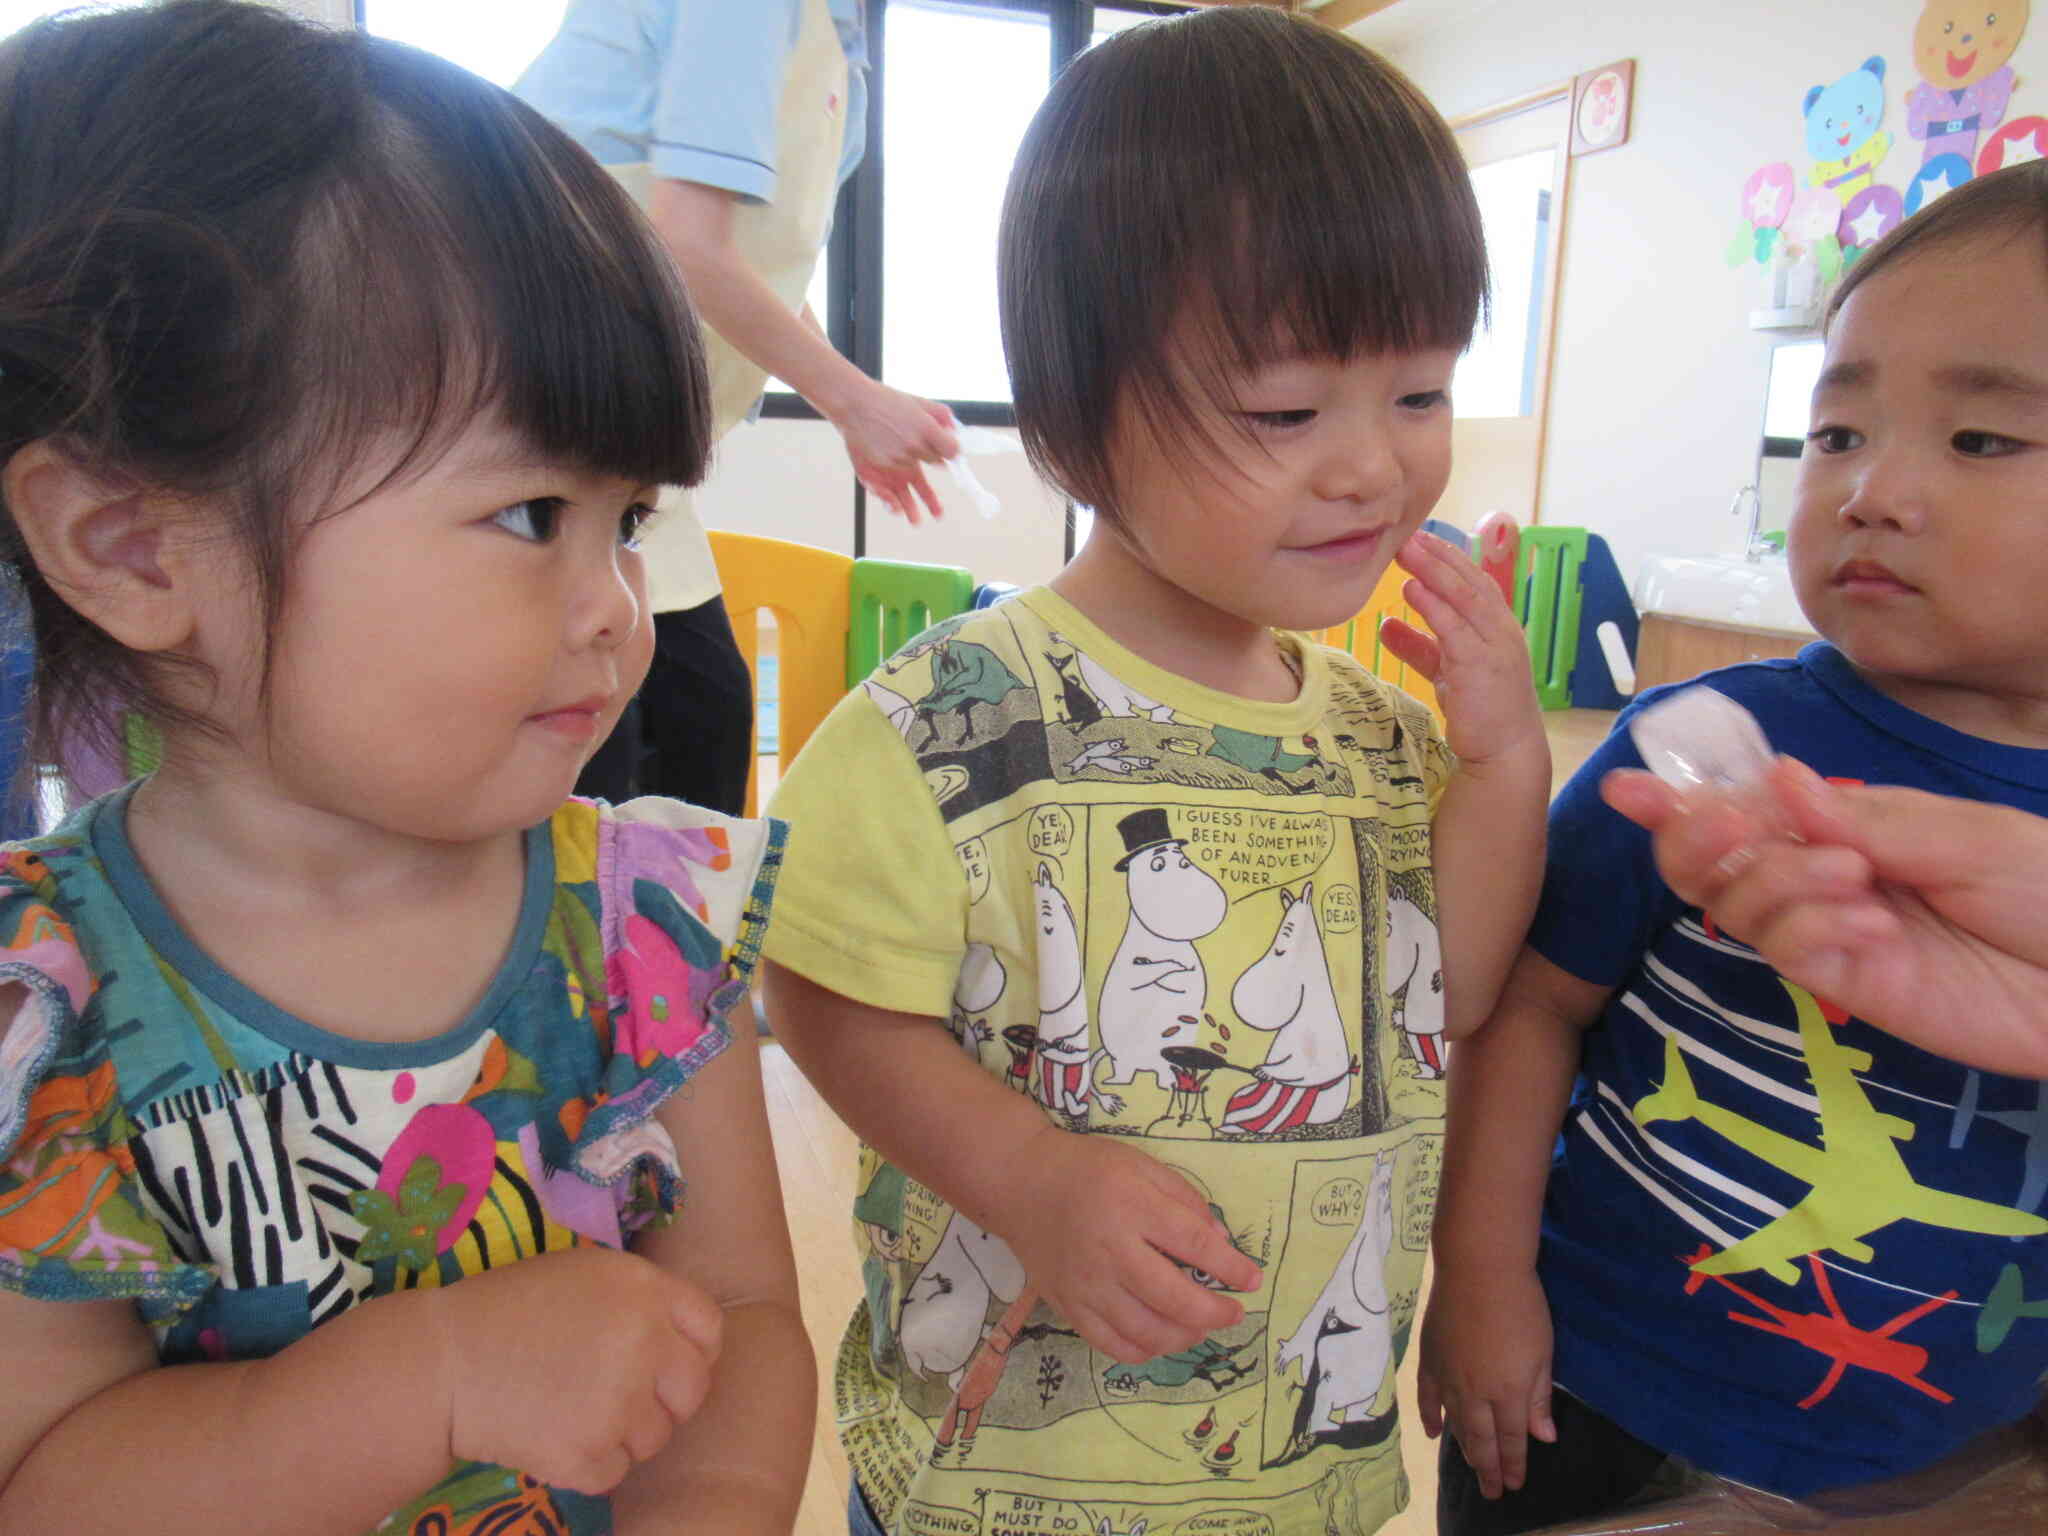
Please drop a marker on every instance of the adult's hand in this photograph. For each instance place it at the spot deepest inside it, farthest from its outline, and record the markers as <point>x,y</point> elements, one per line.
<point>1924,914</point>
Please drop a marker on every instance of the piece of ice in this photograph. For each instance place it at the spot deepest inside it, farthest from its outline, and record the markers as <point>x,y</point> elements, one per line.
<point>1699,738</point>
<point>983,498</point>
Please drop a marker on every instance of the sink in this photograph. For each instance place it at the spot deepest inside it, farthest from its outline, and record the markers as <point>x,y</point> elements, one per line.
<point>1721,589</point>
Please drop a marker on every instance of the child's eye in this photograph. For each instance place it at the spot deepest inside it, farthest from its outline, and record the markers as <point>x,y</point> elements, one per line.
<point>633,524</point>
<point>1984,445</point>
<point>1425,400</point>
<point>1834,439</point>
<point>1281,419</point>
<point>536,519</point>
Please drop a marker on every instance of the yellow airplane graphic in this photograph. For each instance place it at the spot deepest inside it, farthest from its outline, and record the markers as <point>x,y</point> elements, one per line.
<point>1859,1181</point>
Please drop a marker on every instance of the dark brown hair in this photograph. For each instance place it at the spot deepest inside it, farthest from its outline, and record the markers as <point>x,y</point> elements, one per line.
<point>2011,201</point>
<point>235,248</point>
<point>1254,183</point>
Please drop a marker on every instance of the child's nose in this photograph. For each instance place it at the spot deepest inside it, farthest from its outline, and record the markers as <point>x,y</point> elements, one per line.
<point>1891,492</point>
<point>1361,468</point>
<point>608,606</point>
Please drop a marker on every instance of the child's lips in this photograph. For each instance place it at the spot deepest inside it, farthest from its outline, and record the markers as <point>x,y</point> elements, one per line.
<point>577,721</point>
<point>1346,546</point>
<point>1869,578</point>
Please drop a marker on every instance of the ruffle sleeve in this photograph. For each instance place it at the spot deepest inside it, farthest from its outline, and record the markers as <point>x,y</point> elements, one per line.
<point>73,1226</point>
<point>683,897</point>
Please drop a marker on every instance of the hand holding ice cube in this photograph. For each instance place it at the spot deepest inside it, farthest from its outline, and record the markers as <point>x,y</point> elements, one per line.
<point>1922,914</point>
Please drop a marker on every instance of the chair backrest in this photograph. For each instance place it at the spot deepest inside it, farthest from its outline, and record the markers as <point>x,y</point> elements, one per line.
<point>895,600</point>
<point>142,745</point>
<point>1603,599</point>
<point>1547,600</point>
<point>806,589</point>
<point>1361,638</point>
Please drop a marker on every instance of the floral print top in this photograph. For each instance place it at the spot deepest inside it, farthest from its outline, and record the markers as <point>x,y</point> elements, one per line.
<point>171,1138</point>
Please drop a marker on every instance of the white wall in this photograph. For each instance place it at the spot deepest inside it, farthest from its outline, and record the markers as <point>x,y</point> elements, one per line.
<point>1657,383</point>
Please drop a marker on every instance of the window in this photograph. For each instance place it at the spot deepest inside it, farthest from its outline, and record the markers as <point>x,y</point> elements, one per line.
<point>493,38</point>
<point>908,288</point>
<point>16,14</point>
<point>962,85</point>
<point>1497,375</point>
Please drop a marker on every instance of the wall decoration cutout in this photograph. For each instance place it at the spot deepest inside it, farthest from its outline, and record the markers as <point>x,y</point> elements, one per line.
<point>1842,132</point>
<point>1957,109</point>
<point>1602,100</point>
<point>1961,48</point>
<point>2021,140</point>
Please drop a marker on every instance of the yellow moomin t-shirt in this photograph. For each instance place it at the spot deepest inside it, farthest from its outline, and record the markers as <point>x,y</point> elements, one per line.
<point>1202,923</point>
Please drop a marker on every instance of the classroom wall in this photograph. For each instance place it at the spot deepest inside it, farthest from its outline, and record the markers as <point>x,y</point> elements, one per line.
<point>1657,383</point>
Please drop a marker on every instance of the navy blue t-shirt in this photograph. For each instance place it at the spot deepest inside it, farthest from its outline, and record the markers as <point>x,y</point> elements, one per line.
<point>1782,1243</point>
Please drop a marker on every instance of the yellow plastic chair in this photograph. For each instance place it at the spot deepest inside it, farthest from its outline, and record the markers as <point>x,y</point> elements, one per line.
<point>806,589</point>
<point>1361,638</point>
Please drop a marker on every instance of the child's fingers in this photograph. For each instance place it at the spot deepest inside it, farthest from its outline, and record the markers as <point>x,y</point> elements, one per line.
<point>1474,1430</point>
<point>1193,1237</point>
<point>697,1317</point>
<point>1101,1334</point>
<point>1641,796</point>
<point>1416,647</point>
<point>1541,1423</point>
<point>646,1432</point>
<point>682,1380</point>
<point>1450,584</point>
<point>1127,1316</point>
<point>1429,1402</point>
<point>1511,1441</point>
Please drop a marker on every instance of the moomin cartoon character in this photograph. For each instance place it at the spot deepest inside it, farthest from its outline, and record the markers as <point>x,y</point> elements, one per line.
<point>1345,1345</point>
<point>1306,1076</point>
<point>978,988</point>
<point>1415,981</point>
<point>1060,1063</point>
<point>1156,986</point>
<point>945,1330</point>
<point>946,1307</point>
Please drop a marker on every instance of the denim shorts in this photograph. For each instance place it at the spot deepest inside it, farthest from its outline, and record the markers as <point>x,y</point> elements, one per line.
<point>860,1518</point>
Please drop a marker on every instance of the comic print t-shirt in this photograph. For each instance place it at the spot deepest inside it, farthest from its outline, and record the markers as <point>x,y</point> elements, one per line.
<point>1779,1242</point>
<point>1198,922</point>
<point>171,1138</point>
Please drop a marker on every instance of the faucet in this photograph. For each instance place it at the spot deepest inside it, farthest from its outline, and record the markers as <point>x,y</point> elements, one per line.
<point>1754,547</point>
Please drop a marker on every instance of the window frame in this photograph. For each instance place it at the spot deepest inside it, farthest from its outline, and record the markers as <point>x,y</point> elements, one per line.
<point>854,256</point>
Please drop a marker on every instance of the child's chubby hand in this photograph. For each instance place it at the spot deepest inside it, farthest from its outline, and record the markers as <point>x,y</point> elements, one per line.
<point>1477,658</point>
<point>575,1365</point>
<point>1123,1247</point>
<point>1485,1369</point>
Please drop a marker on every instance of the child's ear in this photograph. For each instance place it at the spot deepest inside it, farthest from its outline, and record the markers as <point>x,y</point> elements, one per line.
<point>114,552</point>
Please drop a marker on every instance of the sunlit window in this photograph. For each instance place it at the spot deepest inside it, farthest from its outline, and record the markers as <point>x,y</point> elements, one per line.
<point>493,38</point>
<point>16,14</point>
<point>960,89</point>
<point>1497,377</point>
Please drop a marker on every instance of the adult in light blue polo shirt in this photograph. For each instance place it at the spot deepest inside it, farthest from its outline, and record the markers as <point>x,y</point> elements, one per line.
<point>734,122</point>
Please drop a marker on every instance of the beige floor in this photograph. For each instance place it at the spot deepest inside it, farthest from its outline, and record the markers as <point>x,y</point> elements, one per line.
<point>814,1153</point>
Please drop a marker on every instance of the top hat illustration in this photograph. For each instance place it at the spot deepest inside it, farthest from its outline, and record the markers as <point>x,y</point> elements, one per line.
<point>1146,829</point>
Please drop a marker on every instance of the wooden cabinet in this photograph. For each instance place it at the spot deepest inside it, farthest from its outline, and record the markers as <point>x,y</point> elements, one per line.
<point>1670,650</point>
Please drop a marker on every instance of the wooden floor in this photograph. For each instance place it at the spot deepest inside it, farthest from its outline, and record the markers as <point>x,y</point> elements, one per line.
<point>814,1153</point>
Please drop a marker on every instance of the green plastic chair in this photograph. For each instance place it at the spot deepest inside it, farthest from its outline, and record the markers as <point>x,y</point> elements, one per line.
<point>893,600</point>
<point>1548,593</point>
<point>142,746</point>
